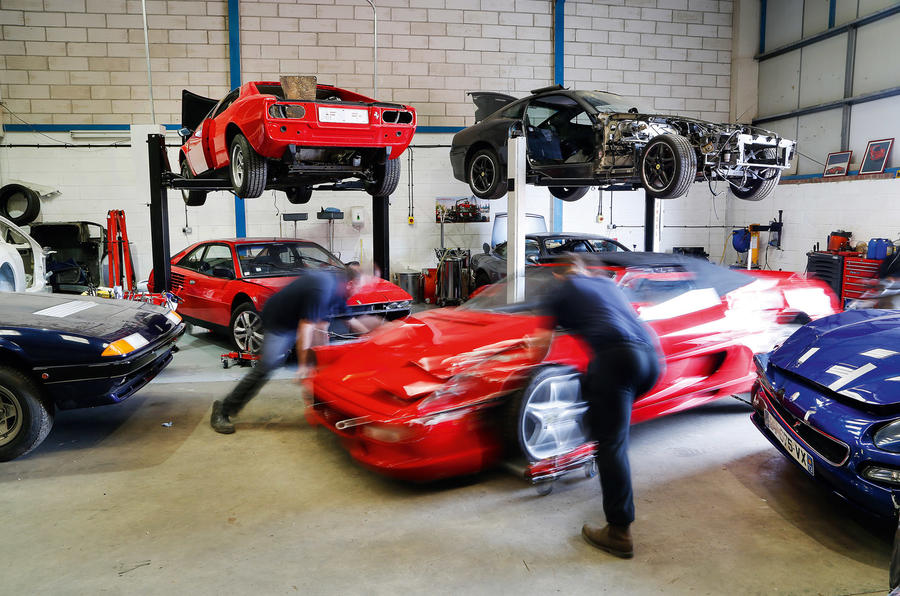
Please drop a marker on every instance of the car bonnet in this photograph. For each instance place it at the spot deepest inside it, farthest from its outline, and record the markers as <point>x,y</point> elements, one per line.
<point>855,354</point>
<point>103,319</point>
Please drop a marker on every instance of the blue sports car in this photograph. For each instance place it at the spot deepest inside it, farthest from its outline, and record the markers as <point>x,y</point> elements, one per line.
<point>61,352</point>
<point>829,399</point>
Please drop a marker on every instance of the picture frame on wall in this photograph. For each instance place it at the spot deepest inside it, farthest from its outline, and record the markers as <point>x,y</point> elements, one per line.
<point>837,164</point>
<point>875,159</point>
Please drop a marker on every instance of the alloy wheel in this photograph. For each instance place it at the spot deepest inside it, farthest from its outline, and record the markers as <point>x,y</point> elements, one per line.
<point>10,416</point>
<point>553,418</point>
<point>237,165</point>
<point>248,332</point>
<point>482,173</point>
<point>659,166</point>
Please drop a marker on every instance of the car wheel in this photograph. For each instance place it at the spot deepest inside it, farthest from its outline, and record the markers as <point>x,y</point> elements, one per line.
<point>248,169</point>
<point>299,195</point>
<point>246,328</point>
<point>486,175</point>
<point>668,166</point>
<point>569,193</point>
<point>482,278</point>
<point>547,418</point>
<point>25,417</point>
<point>192,198</point>
<point>757,189</point>
<point>387,176</point>
<point>19,204</point>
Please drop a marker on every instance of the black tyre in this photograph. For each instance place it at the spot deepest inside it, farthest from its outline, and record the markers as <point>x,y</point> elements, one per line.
<point>668,166</point>
<point>387,176</point>
<point>482,278</point>
<point>19,204</point>
<point>757,189</point>
<point>299,195</point>
<point>486,175</point>
<point>25,416</point>
<point>569,193</point>
<point>547,417</point>
<point>192,198</point>
<point>248,169</point>
<point>246,328</point>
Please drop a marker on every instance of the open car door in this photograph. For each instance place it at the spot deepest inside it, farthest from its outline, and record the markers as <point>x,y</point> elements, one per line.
<point>488,102</point>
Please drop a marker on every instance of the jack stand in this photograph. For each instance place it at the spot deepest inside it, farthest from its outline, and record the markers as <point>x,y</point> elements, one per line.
<point>295,217</point>
<point>330,214</point>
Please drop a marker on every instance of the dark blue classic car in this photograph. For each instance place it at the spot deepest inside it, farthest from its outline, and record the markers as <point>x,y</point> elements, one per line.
<point>64,352</point>
<point>829,400</point>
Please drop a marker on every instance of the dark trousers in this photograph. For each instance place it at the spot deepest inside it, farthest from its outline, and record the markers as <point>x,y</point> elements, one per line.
<point>616,376</point>
<point>275,348</point>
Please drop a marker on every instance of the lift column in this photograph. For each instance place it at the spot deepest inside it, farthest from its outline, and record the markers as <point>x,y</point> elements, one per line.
<point>159,213</point>
<point>380,245</point>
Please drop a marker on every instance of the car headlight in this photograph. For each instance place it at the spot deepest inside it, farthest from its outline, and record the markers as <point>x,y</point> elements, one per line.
<point>125,345</point>
<point>881,474</point>
<point>399,305</point>
<point>888,437</point>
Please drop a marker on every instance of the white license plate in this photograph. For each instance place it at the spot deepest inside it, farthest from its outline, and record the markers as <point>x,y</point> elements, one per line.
<point>787,441</point>
<point>343,115</point>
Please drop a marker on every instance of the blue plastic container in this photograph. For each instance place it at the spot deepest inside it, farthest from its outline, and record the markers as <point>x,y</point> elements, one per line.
<point>878,248</point>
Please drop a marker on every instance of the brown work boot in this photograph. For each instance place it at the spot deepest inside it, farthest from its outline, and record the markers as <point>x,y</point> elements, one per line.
<point>219,420</point>
<point>616,540</point>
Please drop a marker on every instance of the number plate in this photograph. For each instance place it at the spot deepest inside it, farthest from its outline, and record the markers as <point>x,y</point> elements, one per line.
<point>343,115</point>
<point>787,441</point>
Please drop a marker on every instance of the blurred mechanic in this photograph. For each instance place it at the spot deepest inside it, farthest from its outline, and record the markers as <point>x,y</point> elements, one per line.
<point>624,365</point>
<point>297,315</point>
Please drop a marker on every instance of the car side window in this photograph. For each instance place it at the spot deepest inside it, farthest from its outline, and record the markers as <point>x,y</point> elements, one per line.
<point>605,246</point>
<point>193,259</point>
<point>226,101</point>
<point>217,256</point>
<point>558,130</point>
<point>532,249</point>
<point>514,111</point>
<point>500,250</point>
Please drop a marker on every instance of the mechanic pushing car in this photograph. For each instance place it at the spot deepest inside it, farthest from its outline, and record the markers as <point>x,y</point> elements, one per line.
<point>625,364</point>
<point>298,315</point>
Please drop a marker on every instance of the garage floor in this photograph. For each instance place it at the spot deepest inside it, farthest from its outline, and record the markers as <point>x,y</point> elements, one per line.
<point>115,502</point>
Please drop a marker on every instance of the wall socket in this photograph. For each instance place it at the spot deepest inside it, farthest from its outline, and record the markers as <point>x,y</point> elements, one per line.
<point>186,229</point>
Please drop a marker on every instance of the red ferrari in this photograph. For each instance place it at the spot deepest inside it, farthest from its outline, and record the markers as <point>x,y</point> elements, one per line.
<point>259,140</point>
<point>451,391</point>
<point>223,284</point>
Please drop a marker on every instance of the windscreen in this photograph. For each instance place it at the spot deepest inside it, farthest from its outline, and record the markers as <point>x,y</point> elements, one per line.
<point>274,259</point>
<point>610,102</point>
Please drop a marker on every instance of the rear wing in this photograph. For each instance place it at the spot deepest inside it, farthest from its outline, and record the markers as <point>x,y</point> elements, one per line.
<point>488,102</point>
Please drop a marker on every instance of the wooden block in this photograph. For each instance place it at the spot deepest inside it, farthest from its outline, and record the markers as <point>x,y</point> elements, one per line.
<point>299,88</point>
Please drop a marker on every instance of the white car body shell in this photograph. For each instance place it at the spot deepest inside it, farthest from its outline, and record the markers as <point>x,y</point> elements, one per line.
<point>13,276</point>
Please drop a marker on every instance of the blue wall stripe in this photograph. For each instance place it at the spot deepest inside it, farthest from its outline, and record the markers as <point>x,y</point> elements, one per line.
<point>762,26</point>
<point>832,11</point>
<point>559,77</point>
<point>234,60</point>
<point>71,127</point>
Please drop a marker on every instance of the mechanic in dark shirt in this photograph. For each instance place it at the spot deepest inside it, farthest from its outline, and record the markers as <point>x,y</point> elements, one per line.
<point>625,364</point>
<point>298,315</point>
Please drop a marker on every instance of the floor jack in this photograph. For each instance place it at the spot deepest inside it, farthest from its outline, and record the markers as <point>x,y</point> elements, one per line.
<point>544,473</point>
<point>239,358</point>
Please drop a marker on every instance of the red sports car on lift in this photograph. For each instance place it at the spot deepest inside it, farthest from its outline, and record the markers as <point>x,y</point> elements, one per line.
<point>449,392</point>
<point>259,139</point>
<point>223,284</point>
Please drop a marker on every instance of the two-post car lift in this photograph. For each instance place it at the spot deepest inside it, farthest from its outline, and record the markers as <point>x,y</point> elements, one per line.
<point>162,179</point>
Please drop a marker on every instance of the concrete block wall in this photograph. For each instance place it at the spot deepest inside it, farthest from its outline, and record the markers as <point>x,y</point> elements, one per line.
<point>82,61</point>
<point>673,55</point>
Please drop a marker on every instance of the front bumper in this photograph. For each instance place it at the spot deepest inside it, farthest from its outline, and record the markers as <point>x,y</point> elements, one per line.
<point>103,383</point>
<point>842,480</point>
<point>427,451</point>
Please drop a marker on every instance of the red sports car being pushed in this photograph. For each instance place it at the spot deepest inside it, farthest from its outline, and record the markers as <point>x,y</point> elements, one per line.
<point>259,139</point>
<point>223,284</point>
<point>448,392</point>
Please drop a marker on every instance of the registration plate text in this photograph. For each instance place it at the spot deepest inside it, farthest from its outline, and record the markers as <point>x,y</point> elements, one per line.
<point>343,115</point>
<point>790,445</point>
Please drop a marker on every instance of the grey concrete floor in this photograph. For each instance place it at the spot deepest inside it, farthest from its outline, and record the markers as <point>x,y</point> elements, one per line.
<point>115,502</point>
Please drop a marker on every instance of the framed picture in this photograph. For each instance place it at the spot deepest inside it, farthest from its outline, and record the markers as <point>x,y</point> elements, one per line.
<point>877,153</point>
<point>837,164</point>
